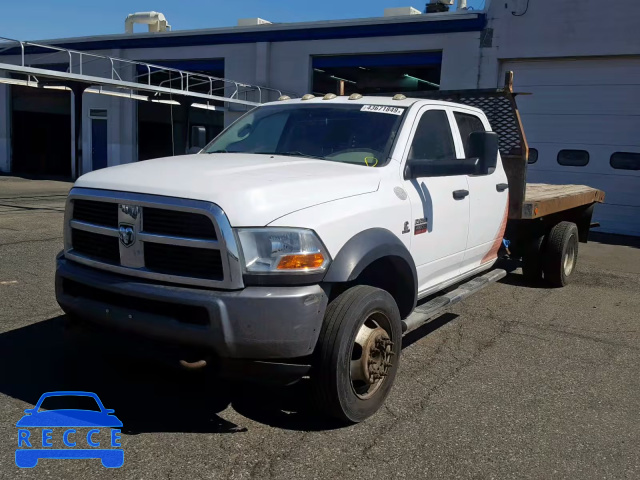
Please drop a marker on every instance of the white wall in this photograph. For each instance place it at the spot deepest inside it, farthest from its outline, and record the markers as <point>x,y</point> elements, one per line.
<point>565,28</point>
<point>558,29</point>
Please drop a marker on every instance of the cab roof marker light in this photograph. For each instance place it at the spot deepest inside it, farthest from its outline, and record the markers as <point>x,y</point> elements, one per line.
<point>308,96</point>
<point>399,97</point>
<point>355,96</point>
<point>284,98</point>
<point>329,96</point>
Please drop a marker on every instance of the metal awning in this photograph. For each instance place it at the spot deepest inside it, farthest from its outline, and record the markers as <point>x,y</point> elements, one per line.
<point>106,71</point>
<point>48,66</point>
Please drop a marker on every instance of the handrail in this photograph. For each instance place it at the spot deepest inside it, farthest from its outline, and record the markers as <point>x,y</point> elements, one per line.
<point>188,80</point>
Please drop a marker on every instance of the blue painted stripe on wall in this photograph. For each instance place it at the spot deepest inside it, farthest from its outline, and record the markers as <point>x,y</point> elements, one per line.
<point>382,60</point>
<point>318,33</point>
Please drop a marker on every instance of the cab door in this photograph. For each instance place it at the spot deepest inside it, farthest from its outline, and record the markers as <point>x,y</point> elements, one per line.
<point>439,205</point>
<point>488,197</point>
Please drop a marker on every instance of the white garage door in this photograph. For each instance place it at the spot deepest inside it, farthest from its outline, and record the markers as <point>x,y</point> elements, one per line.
<point>586,111</point>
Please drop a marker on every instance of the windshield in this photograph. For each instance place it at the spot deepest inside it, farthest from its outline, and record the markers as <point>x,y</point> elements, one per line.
<point>358,134</point>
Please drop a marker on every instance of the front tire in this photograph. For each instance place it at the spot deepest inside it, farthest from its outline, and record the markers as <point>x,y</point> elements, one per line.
<point>357,354</point>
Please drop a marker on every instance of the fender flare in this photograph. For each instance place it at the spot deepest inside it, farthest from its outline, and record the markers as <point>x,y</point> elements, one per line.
<point>365,248</point>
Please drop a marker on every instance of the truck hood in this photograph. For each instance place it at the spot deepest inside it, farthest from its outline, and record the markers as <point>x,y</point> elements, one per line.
<point>253,190</point>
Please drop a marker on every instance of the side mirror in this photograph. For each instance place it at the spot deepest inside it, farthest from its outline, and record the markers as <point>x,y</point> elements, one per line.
<point>198,137</point>
<point>484,147</point>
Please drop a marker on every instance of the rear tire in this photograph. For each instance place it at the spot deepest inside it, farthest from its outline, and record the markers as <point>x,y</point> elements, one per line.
<point>561,254</point>
<point>357,354</point>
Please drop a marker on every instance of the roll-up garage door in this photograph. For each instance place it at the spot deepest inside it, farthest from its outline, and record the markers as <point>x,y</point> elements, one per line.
<point>583,120</point>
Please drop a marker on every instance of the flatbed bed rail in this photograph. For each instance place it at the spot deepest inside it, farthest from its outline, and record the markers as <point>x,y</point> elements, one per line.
<point>543,199</point>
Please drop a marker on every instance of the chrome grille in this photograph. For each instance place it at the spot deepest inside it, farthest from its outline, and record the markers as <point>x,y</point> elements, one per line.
<point>162,238</point>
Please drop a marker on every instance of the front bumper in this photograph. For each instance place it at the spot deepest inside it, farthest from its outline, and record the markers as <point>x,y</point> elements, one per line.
<point>256,323</point>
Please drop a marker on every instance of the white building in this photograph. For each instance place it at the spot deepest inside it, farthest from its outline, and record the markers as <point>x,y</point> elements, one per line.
<point>580,60</point>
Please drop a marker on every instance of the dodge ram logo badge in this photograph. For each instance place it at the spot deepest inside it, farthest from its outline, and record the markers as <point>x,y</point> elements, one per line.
<point>127,235</point>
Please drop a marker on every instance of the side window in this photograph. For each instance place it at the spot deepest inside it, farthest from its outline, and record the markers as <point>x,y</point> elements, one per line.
<point>467,124</point>
<point>433,139</point>
<point>573,158</point>
<point>625,161</point>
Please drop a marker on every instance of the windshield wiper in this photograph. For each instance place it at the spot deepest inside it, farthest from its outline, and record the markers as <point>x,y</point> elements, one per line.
<point>292,154</point>
<point>220,151</point>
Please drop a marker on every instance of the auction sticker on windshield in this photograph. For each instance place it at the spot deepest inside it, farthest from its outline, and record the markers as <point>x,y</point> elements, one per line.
<point>382,109</point>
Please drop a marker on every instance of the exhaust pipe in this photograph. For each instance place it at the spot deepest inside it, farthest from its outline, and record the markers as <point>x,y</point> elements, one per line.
<point>197,365</point>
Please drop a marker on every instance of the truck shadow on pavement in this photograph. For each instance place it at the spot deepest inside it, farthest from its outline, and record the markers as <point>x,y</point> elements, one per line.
<point>148,393</point>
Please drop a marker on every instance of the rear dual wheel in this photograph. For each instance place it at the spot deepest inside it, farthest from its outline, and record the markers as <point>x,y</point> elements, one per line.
<point>553,256</point>
<point>357,354</point>
<point>561,254</point>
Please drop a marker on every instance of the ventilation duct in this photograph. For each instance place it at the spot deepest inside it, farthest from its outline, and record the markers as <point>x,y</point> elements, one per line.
<point>156,21</point>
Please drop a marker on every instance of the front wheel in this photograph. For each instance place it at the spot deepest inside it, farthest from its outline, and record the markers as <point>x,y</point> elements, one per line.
<point>357,354</point>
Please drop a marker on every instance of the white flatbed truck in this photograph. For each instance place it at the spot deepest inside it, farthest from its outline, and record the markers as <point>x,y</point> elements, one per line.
<point>302,240</point>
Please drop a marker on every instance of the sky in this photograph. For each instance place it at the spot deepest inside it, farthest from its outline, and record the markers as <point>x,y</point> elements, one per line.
<point>48,19</point>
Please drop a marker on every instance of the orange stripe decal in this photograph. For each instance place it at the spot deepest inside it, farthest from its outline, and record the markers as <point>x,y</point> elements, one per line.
<point>493,252</point>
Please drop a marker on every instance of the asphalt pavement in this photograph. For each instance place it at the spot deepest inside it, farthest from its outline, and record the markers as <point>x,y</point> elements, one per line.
<point>519,381</point>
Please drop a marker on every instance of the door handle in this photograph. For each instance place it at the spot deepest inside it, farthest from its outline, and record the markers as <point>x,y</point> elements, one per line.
<point>460,194</point>
<point>501,187</point>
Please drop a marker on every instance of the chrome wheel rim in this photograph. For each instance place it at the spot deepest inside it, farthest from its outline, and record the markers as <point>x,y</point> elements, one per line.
<point>569,260</point>
<point>371,355</point>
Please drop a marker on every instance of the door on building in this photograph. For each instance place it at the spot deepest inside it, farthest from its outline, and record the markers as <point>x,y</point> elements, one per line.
<point>98,139</point>
<point>40,132</point>
<point>438,235</point>
<point>583,123</point>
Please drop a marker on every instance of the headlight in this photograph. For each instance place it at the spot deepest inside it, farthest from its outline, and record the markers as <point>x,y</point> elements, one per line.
<point>282,250</point>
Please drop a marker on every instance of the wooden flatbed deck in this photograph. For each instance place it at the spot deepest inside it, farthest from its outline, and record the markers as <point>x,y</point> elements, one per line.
<point>542,199</point>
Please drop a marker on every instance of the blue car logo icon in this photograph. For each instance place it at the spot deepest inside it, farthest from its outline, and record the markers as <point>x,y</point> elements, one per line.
<point>69,433</point>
